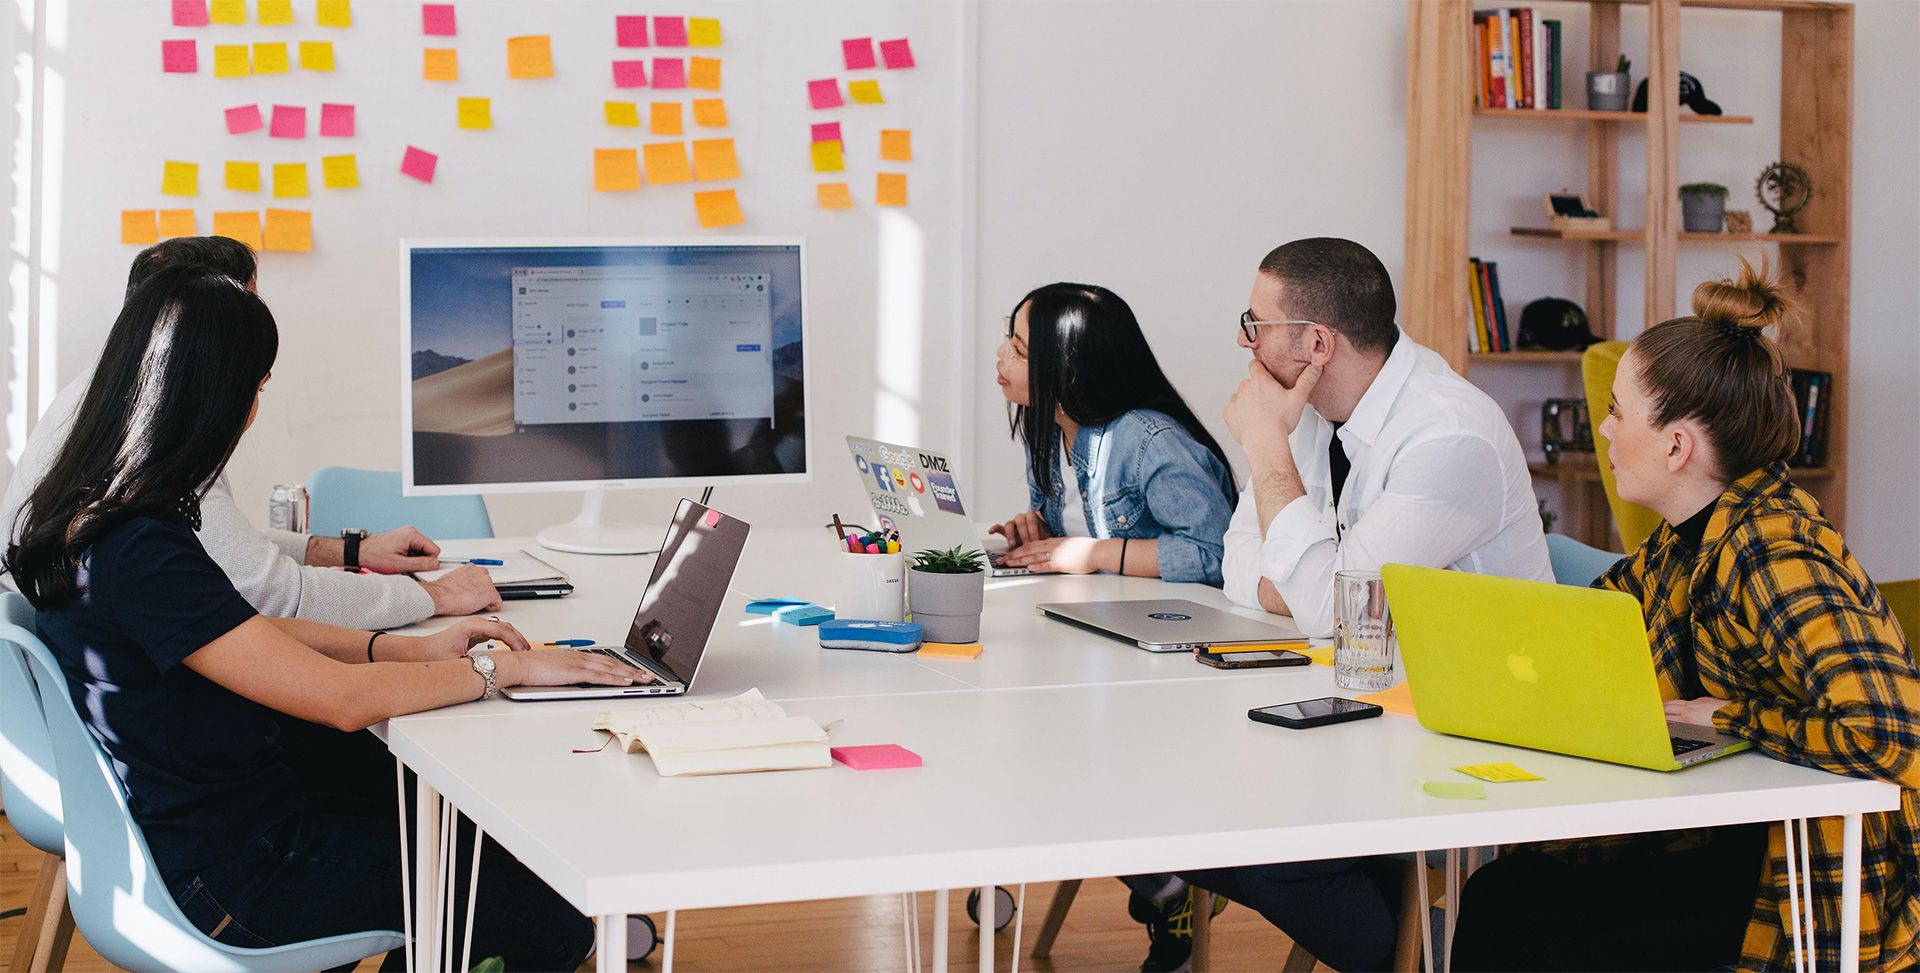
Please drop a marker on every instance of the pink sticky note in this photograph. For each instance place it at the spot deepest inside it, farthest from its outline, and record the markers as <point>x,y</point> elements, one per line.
<point>289,122</point>
<point>179,57</point>
<point>630,31</point>
<point>712,519</point>
<point>419,163</point>
<point>437,19</point>
<point>883,756</point>
<point>897,53</point>
<point>826,132</point>
<point>858,51</point>
<point>336,121</point>
<point>629,74</point>
<point>190,13</point>
<point>825,93</point>
<point>242,119</point>
<point>669,72</point>
<point>670,31</point>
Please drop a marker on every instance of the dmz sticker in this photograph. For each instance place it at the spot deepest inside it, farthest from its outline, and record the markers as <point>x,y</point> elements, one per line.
<point>1170,617</point>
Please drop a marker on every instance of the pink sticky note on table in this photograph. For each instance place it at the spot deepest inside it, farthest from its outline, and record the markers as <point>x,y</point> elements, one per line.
<point>858,52</point>
<point>883,756</point>
<point>825,93</point>
<point>438,20</point>
<point>419,163</point>
<point>242,119</point>
<point>336,121</point>
<point>826,132</point>
<point>897,53</point>
<point>289,122</point>
<point>190,13</point>
<point>669,72</point>
<point>670,31</point>
<point>179,57</point>
<point>630,31</point>
<point>629,74</point>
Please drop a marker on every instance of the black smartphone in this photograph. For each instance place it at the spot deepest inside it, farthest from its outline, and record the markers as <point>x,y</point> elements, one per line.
<point>1314,712</point>
<point>1255,659</point>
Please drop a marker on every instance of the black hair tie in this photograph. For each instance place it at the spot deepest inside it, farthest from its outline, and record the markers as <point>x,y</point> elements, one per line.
<point>1734,329</point>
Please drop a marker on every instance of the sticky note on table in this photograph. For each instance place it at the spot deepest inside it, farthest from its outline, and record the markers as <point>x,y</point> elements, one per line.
<point>666,119</point>
<point>826,132</point>
<point>138,227</point>
<point>231,61</point>
<point>836,195</point>
<point>670,31</point>
<point>227,11</point>
<point>858,52</point>
<point>717,208</point>
<point>242,119</point>
<point>630,31</point>
<point>176,223</point>
<point>669,72</point>
<point>188,13</point>
<point>710,112</point>
<point>530,57</point>
<point>289,230</point>
<point>890,189</point>
<point>881,756</point>
<point>440,64</point>
<point>714,159</point>
<point>1320,654</point>
<point>243,226</point>
<point>276,13</point>
<point>824,93</point>
<point>667,163</point>
<point>703,73</point>
<point>243,176</point>
<point>339,171</point>
<point>827,157</point>
<point>1455,790</point>
<point>289,122</point>
<point>476,113</point>
<point>896,145</point>
<point>336,121</point>
<point>316,55</point>
<point>616,170</point>
<point>179,57</point>
<point>270,58</point>
<point>1397,698</point>
<point>333,13</point>
<point>180,179</point>
<point>703,31</point>
<point>629,74</point>
<point>866,92</point>
<point>947,650</point>
<point>623,114</point>
<point>438,20</point>
<point>419,163</point>
<point>1498,773</point>
<point>897,53</point>
<point>289,180</point>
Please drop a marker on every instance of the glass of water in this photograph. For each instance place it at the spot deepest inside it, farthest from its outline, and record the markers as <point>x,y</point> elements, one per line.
<point>1363,647</point>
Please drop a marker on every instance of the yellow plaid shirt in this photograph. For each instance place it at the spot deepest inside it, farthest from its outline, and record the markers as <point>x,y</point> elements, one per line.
<point>1785,625</point>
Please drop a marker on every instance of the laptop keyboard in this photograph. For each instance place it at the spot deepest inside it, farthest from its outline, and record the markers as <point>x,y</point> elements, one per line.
<point>1681,746</point>
<point>618,656</point>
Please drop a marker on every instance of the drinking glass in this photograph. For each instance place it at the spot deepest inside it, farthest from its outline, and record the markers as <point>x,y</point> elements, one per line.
<point>1363,647</point>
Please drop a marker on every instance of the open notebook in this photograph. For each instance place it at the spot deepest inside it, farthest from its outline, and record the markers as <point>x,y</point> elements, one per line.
<point>523,576</point>
<point>729,736</point>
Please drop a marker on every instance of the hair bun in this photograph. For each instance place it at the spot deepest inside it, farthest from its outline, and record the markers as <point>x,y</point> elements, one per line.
<point>1745,305</point>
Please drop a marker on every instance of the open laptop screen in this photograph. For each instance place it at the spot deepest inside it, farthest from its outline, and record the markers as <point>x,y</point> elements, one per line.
<point>689,582</point>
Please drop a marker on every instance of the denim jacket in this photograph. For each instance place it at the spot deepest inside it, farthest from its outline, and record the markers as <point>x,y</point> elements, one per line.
<point>1144,476</point>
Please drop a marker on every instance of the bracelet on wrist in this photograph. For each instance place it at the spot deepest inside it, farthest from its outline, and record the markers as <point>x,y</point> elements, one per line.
<point>1123,556</point>
<point>370,640</point>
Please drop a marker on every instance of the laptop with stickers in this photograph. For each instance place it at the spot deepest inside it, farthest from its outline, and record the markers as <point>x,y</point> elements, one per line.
<point>916,492</point>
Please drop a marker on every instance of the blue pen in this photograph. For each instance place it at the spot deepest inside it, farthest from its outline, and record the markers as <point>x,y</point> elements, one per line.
<point>566,643</point>
<point>483,561</point>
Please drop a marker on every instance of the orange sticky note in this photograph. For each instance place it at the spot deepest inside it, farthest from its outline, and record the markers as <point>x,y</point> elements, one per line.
<point>865,92</point>
<point>666,118</point>
<point>270,58</point>
<point>530,57</point>
<point>834,195</point>
<point>231,61</point>
<point>667,163</point>
<point>243,176</point>
<point>137,226</point>
<point>476,113</point>
<point>176,222</point>
<point>890,189</point>
<point>339,171</point>
<point>703,32</point>
<point>333,13</point>
<point>949,650</point>
<point>227,11</point>
<point>289,180</point>
<point>180,179</point>
<point>616,170</point>
<point>276,13</point>
<point>243,226</point>
<point>703,73</point>
<point>896,145</point>
<point>714,159</point>
<point>710,112</point>
<point>440,64</point>
<point>827,157</point>
<point>289,230</point>
<point>718,207</point>
<point>316,55</point>
<point>624,114</point>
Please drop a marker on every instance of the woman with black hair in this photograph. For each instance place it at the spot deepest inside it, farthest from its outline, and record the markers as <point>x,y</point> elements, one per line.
<point>1149,492</point>
<point>188,688</point>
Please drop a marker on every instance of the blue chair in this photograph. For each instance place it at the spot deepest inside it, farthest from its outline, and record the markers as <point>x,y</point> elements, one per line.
<point>119,900</point>
<point>1575,563</point>
<point>32,795</point>
<point>343,498</point>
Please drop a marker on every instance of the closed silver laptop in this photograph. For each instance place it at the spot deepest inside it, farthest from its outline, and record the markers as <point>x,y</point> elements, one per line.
<point>1169,624</point>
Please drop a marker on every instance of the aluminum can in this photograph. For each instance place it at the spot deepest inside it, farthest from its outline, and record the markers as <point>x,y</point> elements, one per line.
<point>287,508</point>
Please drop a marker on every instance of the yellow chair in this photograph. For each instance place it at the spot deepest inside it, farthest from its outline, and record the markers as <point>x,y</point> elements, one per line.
<point>1597,367</point>
<point>1904,598</point>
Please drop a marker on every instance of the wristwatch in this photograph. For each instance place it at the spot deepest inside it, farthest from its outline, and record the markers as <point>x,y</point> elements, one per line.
<point>483,664</point>
<point>350,539</point>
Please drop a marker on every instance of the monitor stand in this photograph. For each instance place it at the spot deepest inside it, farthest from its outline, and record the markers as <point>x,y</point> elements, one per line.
<point>589,534</point>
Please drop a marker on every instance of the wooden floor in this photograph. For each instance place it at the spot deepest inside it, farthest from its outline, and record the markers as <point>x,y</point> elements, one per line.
<point>835,935</point>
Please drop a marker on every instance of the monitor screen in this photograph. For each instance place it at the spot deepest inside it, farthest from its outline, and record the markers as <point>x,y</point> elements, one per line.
<point>545,364</point>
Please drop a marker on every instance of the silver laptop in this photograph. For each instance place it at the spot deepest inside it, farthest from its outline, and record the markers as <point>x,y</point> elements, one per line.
<point>669,634</point>
<point>915,492</point>
<point>1169,624</point>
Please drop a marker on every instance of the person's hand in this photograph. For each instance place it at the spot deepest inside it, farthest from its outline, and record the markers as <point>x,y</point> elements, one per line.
<point>1024,528</point>
<point>399,551</point>
<point>563,667</point>
<point>1055,555</point>
<point>1262,413</point>
<point>463,591</point>
<point>1694,712</point>
<point>453,641</point>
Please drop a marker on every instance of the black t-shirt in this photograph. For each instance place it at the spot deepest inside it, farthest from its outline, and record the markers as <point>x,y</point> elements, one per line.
<point>1691,532</point>
<point>202,765</point>
<point>1338,462</point>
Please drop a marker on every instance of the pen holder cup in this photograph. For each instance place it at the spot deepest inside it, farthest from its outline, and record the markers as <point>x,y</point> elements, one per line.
<point>873,587</point>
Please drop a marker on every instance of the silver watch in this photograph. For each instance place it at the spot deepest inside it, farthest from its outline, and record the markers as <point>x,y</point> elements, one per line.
<point>483,664</point>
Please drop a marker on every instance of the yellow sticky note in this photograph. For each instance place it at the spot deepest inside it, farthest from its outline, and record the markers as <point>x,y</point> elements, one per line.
<point>1500,773</point>
<point>710,112</point>
<point>476,113</point>
<point>231,61</point>
<point>703,73</point>
<point>949,650</point>
<point>227,11</point>
<point>616,170</point>
<point>827,157</point>
<point>339,171</point>
<point>1397,698</point>
<point>137,227</point>
<point>865,92</point>
<point>718,207</point>
<point>289,230</point>
<point>440,64</point>
<point>624,114</point>
<point>667,163</point>
<point>333,13</point>
<point>1455,790</point>
<point>666,118</point>
<point>276,13</point>
<point>714,159</point>
<point>316,55</point>
<point>289,180</point>
<point>176,222</point>
<point>896,145</point>
<point>243,226</point>
<point>530,57</point>
<point>703,32</point>
<point>243,176</point>
<point>270,58</point>
<point>890,189</point>
<point>1321,654</point>
<point>834,195</point>
<point>181,179</point>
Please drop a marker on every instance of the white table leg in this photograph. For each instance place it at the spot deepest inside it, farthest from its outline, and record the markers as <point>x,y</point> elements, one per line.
<point>406,883</point>
<point>666,952</point>
<point>473,894</point>
<point>940,908</point>
<point>1850,894</point>
<point>426,873</point>
<point>613,944</point>
<point>986,912</point>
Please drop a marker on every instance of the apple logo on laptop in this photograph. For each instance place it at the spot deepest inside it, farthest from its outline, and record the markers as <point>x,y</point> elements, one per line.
<point>1521,665</point>
<point>1170,617</point>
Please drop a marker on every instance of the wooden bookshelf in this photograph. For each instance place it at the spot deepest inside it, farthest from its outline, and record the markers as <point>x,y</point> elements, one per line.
<point>1590,115</point>
<point>1524,358</point>
<point>1637,236</point>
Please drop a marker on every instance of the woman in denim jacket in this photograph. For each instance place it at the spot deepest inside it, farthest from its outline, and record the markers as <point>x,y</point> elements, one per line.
<point>1147,491</point>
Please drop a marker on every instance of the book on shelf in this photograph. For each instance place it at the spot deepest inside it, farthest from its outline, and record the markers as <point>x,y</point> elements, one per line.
<point>1489,315</point>
<point>1517,55</point>
<point>1813,398</point>
<point>1476,309</point>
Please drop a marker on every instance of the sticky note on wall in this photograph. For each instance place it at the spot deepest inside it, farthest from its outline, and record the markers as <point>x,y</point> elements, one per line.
<point>289,122</point>
<point>896,145</point>
<point>138,227</point>
<point>897,53</point>
<point>440,64</point>
<point>865,92</point>
<point>243,177</point>
<point>629,74</point>
<point>703,32</point>
<point>242,119</point>
<point>824,93</point>
<point>714,159</point>
<point>231,61</point>
<point>476,113</point>
<point>710,112</point>
<point>630,31</point>
<point>827,157</point>
<point>270,58</point>
<point>333,13</point>
<point>669,72</point>
<point>530,57</point>
<point>826,132</point>
<point>703,73</point>
<point>437,20</point>
<point>667,163</point>
<point>179,57</point>
<point>289,230</point>
<point>276,13</point>
<point>419,164</point>
<point>176,223</point>
<point>834,195</point>
<point>180,179</point>
<point>890,189</point>
<point>670,31</point>
<point>227,11</point>
<point>316,55</point>
<point>665,118</point>
<point>289,180</point>
<point>336,121</point>
<point>339,171</point>
<point>188,13</point>
<point>623,114</point>
<point>243,226</point>
<point>616,170</point>
<point>858,52</point>
<point>717,208</point>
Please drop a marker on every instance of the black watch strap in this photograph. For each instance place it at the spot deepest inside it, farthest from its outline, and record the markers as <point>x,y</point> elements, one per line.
<point>350,544</point>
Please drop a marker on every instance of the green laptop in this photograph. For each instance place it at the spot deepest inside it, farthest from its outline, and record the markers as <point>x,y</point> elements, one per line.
<point>1546,666</point>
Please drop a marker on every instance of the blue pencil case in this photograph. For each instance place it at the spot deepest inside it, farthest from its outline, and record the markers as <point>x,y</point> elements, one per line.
<point>870,636</point>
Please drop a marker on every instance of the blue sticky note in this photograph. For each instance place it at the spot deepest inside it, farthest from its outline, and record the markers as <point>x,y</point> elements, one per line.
<point>803,614</point>
<point>768,606</point>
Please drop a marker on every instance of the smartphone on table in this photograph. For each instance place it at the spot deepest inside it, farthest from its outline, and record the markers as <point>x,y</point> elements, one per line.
<point>1314,712</point>
<point>1255,659</point>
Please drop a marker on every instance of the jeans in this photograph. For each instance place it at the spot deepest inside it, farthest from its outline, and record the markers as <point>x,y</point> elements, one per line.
<point>1342,910</point>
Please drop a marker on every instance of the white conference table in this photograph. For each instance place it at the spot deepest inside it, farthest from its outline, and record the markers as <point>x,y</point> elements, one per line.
<point>1047,758</point>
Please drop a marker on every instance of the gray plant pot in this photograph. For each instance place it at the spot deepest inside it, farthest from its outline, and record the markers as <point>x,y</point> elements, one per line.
<point>1703,212</point>
<point>1607,90</point>
<point>947,606</point>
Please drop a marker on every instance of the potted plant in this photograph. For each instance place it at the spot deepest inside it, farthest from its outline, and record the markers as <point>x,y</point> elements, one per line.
<point>1703,207</point>
<point>946,594</point>
<point>1607,90</point>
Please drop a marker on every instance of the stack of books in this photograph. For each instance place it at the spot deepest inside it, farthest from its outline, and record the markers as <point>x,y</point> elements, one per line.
<point>1813,393</point>
<point>1519,58</point>
<point>1489,332</point>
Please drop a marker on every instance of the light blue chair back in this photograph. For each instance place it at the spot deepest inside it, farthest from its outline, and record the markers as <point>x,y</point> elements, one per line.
<point>119,901</point>
<point>1575,563</point>
<point>27,780</point>
<point>343,498</point>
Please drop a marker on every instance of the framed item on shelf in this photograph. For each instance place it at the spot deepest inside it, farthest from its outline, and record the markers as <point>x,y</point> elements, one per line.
<point>1570,211</point>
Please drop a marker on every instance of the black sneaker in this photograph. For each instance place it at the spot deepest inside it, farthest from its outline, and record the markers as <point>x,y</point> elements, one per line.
<point>1169,930</point>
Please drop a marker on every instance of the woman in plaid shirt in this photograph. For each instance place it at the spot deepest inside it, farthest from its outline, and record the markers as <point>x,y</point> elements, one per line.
<point>1763,626</point>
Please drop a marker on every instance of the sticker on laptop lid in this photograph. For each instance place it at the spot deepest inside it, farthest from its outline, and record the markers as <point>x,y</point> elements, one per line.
<point>712,519</point>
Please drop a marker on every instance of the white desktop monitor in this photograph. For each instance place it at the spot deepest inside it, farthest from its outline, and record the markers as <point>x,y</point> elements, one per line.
<point>595,364</point>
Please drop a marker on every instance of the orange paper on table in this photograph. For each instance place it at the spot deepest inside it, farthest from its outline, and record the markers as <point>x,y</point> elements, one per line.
<point>243,226</point>
<point>827,157</point>
<point>176,222</point>
<point>714,159</point>
<point>180,179</point>
<point>703,73</point>
<point>1397,698</point>
<point>666,118</point>
<point>710,112</point>
<point>718,207</point>
<point>289,230</point>
<point>896,145</point>
<point>440,64</point>
<point>137,226</point>
<point>949,650</point>
<point>890,189</point>
<point>623,114</point>
<point>616,170</point>
<point>243,176</point>
<point>834,195</point>
<point>530,57</point>
<point>667,163</point>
